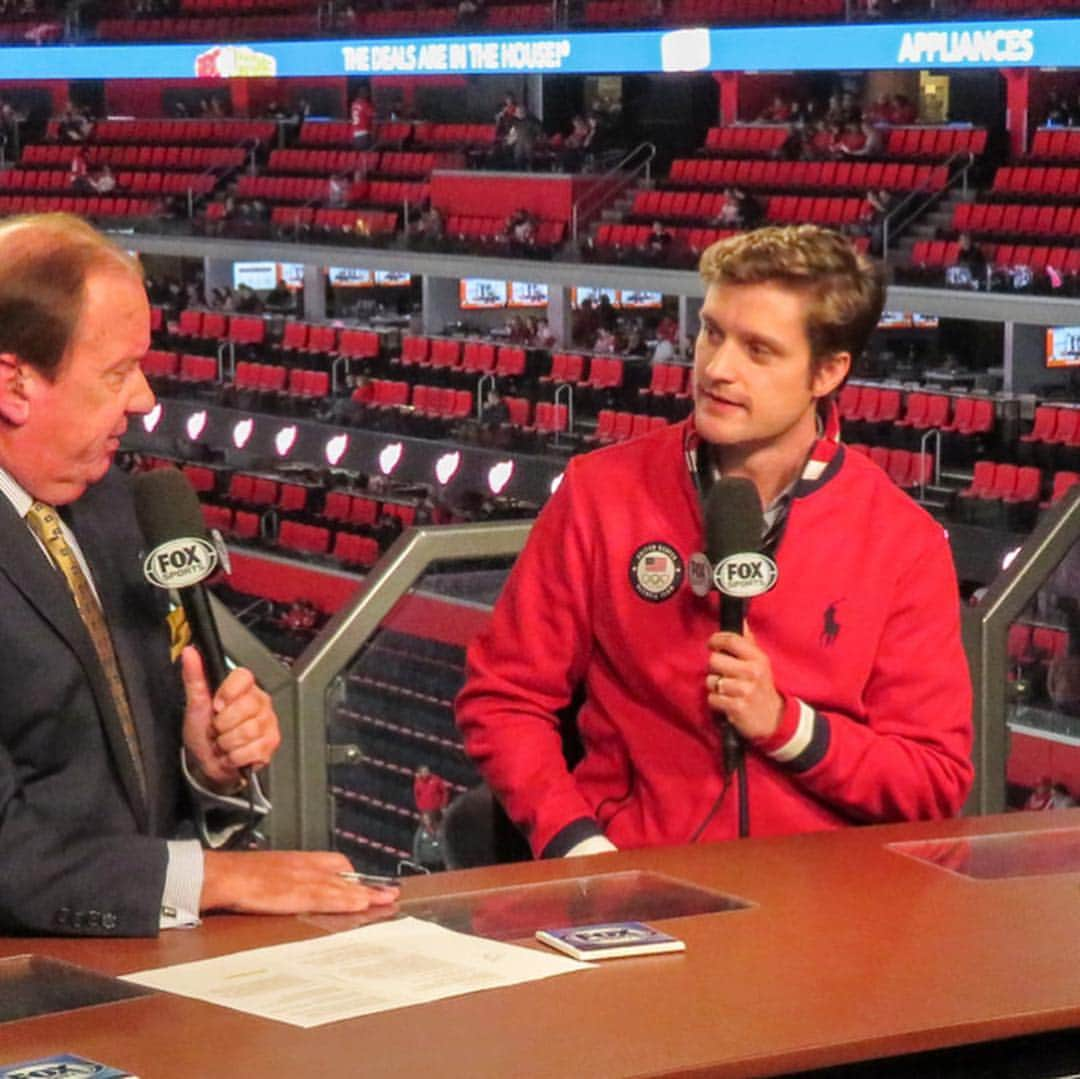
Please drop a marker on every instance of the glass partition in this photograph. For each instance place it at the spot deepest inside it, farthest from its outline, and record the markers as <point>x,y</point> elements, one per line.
<point>378,755</point>
<point>1023,640</point>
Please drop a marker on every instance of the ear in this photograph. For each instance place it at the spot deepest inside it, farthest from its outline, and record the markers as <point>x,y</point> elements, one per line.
<point>14,400</point>
<point>830,373</point>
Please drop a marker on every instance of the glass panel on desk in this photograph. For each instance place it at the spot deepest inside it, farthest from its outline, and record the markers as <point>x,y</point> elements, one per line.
<point>518,911</point>
<point>994,857</point>
<point>32,985</point>
<point>1043,694</point>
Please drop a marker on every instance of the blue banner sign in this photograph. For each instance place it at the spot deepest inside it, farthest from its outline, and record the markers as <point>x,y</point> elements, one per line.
<point>1009,43</point>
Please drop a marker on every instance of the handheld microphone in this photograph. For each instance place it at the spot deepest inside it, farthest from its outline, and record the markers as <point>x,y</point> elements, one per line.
<point>182,556</point>
<point>733,527</point>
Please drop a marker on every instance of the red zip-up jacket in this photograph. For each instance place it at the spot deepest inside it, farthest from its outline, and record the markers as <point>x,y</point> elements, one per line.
<point>862,629</point>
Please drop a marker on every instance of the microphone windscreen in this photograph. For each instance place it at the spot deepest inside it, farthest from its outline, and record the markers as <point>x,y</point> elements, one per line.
<point>733,519</point>
<point>167,507</point>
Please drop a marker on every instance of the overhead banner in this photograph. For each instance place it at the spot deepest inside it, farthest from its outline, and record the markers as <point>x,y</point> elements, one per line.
<point>1029,43</point>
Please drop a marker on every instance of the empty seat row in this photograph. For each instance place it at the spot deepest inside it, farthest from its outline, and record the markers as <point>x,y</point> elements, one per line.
<point>253,490</point>
<point>908,470</point>
<point>221,28</point>
<point>1056,143</point>
<point>225,132</point>
<point>312,539</point>
<point>136,157</point>
<point>442,402</point>
<point>466,226</point>
<point>1053,426</point>
<point>130,183</point>
<point>934,142</point>
<point>703,12</point>
<point>241,329</point>
<point>1055,181</point>
<point>364,223</point>
<point>615,426</point>
<point>239,7</point>
<point>382,393</point>
<point>354,509</point>
<point>95,206</point>
<point>1028,643</point>
<point>1012,217</point>
<point>243,524</point>
<point>294,189</point>
<point>323,162</point>
<point>759,139</point>
<point>630,237</point>
<point>316,339</point>
<point>857,175</point>
<point>872,404</point>
<point>472,356</point>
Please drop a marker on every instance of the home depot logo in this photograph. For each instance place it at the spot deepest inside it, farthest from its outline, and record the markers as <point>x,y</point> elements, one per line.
<point>234,62</point>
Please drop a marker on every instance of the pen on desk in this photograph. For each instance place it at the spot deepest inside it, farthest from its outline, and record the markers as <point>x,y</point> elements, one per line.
<point>372,880</point>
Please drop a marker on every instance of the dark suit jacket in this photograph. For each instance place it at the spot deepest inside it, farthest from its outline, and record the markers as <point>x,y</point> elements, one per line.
<point>80,850</point>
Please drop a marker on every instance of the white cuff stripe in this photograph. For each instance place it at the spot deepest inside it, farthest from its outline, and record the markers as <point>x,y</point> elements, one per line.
<point>800,740</point>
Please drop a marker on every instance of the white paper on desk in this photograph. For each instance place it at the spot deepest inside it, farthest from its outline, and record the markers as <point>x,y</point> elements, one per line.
<point>358,972</point>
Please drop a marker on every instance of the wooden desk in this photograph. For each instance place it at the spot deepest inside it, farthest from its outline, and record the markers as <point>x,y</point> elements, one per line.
<point>850,951</point>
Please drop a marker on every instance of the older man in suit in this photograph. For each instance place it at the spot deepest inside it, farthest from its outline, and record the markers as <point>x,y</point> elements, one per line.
<point>104,739</point>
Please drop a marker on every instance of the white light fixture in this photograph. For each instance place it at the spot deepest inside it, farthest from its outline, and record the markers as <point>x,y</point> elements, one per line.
<point>196,424</point>
<point>152,419</point>
<point>499,476</point>
<point>284,440</point>
<point>390,457</point>
<point>556,483</point>
<point>1010,557</point>
<point>241,432</point>
<point>335,449</point>
<point>446,467</point>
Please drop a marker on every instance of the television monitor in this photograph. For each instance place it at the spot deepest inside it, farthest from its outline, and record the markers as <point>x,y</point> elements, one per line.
<point>291,274</point>
<point>588,292</point>
<point>924,322</point>
<point>260,276</point>
<point>393,278</point>
<point>480,293</point>
<point>1063,346</point>
<point>894,320</point>
<point>637,297</point>
<point>528,294</point>
<point>349,276</point>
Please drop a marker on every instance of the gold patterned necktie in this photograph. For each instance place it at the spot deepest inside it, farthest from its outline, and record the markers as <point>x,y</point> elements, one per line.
<point>44,522</point>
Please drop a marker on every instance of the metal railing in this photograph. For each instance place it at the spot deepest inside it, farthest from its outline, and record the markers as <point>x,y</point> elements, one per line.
<point>610,185</point>
<point>917,202</point>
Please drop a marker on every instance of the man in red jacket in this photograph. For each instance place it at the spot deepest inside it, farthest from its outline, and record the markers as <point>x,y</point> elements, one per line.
<point>848,689</point>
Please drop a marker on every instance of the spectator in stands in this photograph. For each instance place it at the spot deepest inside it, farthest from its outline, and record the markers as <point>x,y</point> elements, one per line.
<point>1042,795</point>
<point>337,190</point>
<point>970,256</point>
<point>880,110</point>
<point>659,241</point>
<point>520,231</point>
<point>605,342</point>
<point>793,148</point>
<point>75,126</point>
<point>585,323</point>
<point>494,414</point>
<point>386,529</point>
<point>504,116</point>
<point>872,215</point>
<point>93,794</point>
<point>519,145</point>
<point>470,13</point>
<point>279,299</point>
<point>1057,111</point>
<point>429,228</point>
<point>903,110</point>
<point>578,143</point>
<point>861,140</point>
<point>820,140</point>
<point>663,351</point>
<point>103,182</point>
<point>77,174</point>
<point>849,690</point>
<point>544,335</point>
<point>778,111</point>
<point>362,119</point>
